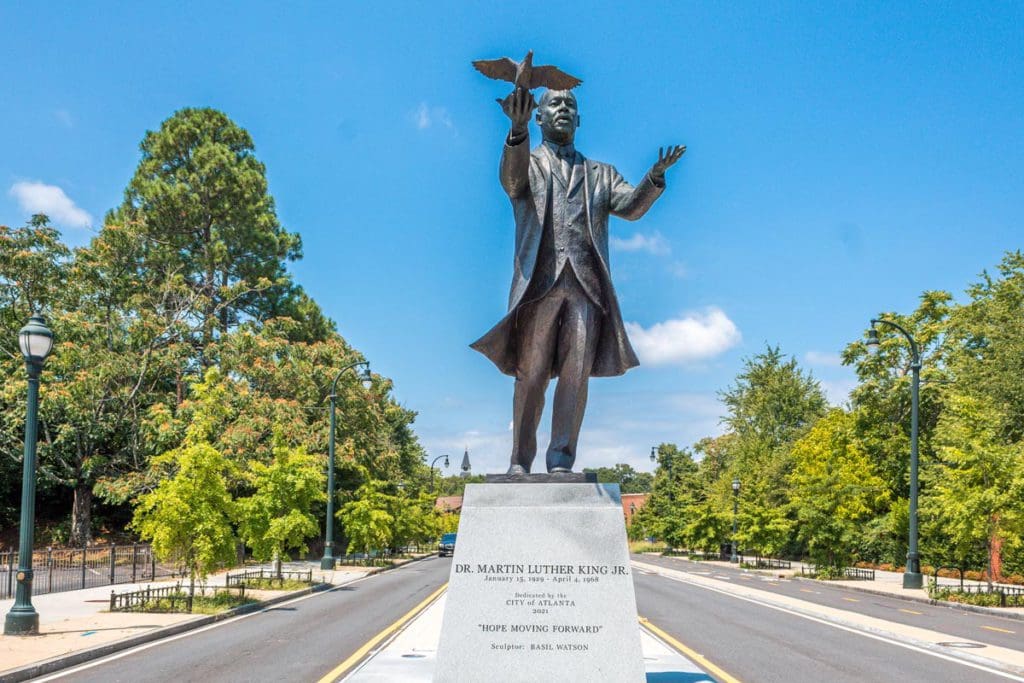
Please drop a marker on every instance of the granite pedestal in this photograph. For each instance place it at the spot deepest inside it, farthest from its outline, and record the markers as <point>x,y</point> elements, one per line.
<point>541,588</point>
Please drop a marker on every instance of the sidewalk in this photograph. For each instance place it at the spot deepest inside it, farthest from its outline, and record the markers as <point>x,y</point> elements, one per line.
<point>75,626</point>
<point>886,583</point>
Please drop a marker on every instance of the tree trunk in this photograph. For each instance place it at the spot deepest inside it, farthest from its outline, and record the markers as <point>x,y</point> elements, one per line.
<point>81,515</point>
<point>995,554</point>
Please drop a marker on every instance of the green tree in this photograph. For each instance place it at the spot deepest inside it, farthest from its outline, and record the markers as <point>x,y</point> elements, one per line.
<point>33,271</point>
<point>628,479</point>
<point>704,527</point>
<point>772,404</point>
<point>673,492</point>
<point>199,196</point>
<point>881,400</point>
<point>188,516</point>
<point>278,517</point>
<point>975,488</point>
<point>984,347</point>
<point>762,529</point>
<point>414,520</point>
<point>834,489</point>
<point>367,519</point>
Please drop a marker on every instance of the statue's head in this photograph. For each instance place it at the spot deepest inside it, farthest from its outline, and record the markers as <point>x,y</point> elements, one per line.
<point>558,116</point>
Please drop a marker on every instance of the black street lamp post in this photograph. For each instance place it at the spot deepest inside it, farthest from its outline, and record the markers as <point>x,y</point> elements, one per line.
<point>668,470</point>
<point>327,561</point>
<point>734,558</point>
<point>35,340</point>
<point>912,577</point>
<point>432,469</point>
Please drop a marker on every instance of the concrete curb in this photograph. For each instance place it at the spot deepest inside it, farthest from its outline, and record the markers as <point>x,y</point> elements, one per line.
<point>49,666</point>
<point>979,609</point>
<point>853,585</point>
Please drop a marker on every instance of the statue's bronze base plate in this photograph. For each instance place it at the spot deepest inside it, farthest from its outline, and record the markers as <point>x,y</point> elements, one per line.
<point>544,478</point>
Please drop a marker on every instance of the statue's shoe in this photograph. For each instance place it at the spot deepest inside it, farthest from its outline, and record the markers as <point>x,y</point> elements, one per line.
<point>516,471</point>
<point>559,470</point>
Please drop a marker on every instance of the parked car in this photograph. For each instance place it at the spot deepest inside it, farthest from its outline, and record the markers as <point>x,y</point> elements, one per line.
<point>446,546</point>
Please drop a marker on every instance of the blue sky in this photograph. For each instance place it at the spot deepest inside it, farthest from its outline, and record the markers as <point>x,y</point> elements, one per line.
<point>841,160</point>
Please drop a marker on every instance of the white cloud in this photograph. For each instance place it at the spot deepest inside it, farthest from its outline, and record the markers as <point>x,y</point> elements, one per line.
<point>653,244</point>
<point>426,116</point>
<point>824,358</point>
<point>488,451</point>
<point>837,391</point>
<point>36,197</point>
<point>679,270</point>
<point>695,337</point>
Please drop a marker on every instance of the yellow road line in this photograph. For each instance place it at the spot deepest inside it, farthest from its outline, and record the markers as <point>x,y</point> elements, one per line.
<point>909,611</point>
<point>358,655</point>
<point>804,590</point>
<point>699,659</point>
<point>851,599</point>
<point>996,628</point>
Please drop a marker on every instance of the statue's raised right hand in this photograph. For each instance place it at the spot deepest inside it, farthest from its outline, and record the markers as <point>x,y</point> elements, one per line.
<point>518,107</point>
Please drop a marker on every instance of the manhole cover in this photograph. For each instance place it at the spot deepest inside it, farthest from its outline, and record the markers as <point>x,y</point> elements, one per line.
<point>962,645</point>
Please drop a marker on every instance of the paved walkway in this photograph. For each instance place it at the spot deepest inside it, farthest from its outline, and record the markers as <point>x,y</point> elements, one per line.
<point>73,623</point>
<point>889,583</point>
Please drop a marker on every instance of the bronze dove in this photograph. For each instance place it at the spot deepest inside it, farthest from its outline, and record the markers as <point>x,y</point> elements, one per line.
<point>525,75</point>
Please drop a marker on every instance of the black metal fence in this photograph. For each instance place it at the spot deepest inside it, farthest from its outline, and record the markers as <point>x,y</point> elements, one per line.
<point>66,569</point>
<point>854,573</point>
<point>145,599</point>
<point>1006,596</point>
<point>765,562</point>
<point>262,574</point>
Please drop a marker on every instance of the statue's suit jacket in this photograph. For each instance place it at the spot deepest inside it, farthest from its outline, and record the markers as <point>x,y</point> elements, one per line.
<point>528,179</point>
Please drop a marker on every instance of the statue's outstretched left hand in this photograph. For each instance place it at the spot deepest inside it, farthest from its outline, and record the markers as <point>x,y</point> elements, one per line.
<point>666,157</point>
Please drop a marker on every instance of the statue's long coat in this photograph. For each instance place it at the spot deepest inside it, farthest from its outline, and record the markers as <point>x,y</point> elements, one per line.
<point>527,178</point>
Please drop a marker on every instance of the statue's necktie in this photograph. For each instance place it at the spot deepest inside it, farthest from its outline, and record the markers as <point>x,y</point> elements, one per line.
<point>566,155</point>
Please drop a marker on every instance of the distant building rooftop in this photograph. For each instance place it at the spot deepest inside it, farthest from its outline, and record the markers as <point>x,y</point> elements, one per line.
<point>448,504</point>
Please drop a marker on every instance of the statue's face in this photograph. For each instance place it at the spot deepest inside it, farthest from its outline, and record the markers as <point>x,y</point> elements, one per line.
<point>558,116</point>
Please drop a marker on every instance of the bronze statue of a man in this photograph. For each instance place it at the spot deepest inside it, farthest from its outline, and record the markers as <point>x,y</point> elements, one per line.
<point>563,317</point>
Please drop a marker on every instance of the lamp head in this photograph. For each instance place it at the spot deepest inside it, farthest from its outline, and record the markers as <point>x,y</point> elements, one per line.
<point>654,453</point>
<point>736,485</point>
<point>873,340</point>
<point>446,461</point>
<point>365,377</point>
<point>35,340</point>
<point>465,463</point>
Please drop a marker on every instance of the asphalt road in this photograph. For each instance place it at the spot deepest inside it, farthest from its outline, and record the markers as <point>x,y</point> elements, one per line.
<point>759,644</point>
<point>968,626</point>
<point>300,640</point>
<point>304,639</point>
